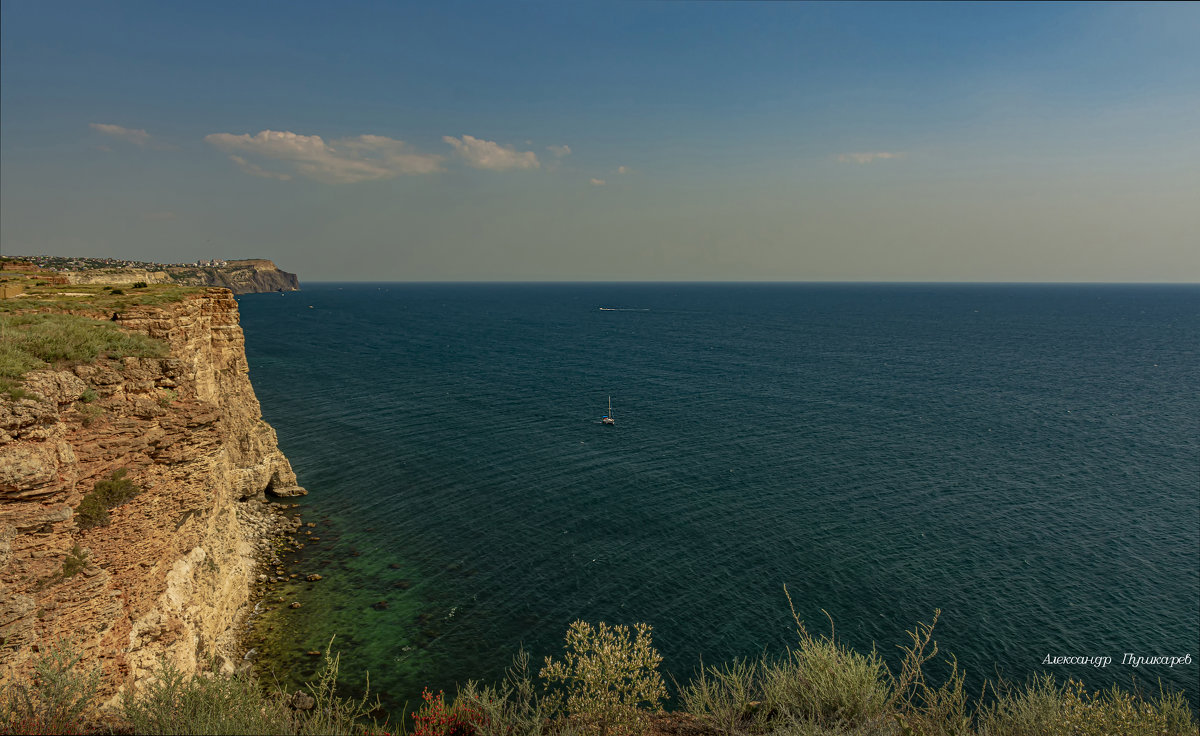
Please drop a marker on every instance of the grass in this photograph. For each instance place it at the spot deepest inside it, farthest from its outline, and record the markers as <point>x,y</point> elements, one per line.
<point>95,299</point>
<point>40,340</point>
<point>54,324</point>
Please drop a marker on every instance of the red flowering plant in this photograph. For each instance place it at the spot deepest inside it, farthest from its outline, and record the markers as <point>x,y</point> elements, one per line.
<point>433,718</point>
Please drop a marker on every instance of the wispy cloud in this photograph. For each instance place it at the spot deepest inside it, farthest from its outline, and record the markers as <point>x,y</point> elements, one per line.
<point>490,155</point>
<point>138,137</point>
<point>623,169</point>
<point>256,170</point>
<point>866,158</point>
<point>559,151</point>
<point>598,182</point>
<point>342,161</point>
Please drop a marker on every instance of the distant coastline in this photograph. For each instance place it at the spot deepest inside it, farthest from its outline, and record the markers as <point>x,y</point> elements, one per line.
<point>241,276</point>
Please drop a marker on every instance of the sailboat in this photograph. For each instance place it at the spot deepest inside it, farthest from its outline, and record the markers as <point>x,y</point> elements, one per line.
<point>608,418</point>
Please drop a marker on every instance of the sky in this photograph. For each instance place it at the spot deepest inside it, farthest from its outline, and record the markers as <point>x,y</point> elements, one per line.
<point>615,141</point>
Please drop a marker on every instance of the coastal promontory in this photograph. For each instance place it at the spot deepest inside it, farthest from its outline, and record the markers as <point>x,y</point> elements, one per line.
<point>245,276</point>
<point>133,465</point>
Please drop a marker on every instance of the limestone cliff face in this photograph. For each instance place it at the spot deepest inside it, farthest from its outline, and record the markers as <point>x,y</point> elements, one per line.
<point>241,277</point>
<point>171,575</point>
<point>249,276</point>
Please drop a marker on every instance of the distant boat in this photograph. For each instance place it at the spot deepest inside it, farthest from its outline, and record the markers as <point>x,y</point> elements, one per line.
<point>608,418</point>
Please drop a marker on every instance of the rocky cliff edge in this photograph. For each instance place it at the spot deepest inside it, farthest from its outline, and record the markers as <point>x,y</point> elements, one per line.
<point>171,575</point>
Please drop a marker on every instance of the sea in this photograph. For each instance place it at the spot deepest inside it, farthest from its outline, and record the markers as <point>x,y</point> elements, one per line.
<point>1023,459</point>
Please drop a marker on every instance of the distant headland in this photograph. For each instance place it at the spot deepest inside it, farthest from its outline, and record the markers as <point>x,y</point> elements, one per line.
<point>243,276</point>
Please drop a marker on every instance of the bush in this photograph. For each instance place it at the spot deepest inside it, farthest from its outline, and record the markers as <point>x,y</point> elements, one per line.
<point>332,714</point>
<point>89,413</point>
<point>181,704</point>
<point>1042,708</point>
<point>139,285</point>
<point>825,682</point>
<point>434,719</point>
<point>604,679</point>
<point>196,704</point>
<point>107,494</point>
<point>56,701</point>
<point>919,707</point>
<point>729,697</point>
<point>510,709</point>
<point>77,559</point>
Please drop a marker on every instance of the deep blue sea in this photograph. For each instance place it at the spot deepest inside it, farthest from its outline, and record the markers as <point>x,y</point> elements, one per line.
<point>1024,458</point>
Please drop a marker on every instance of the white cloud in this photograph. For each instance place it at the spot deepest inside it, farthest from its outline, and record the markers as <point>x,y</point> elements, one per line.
<point>598,182</point>
<point>622,169</point>
<point>343,161</point>
<point>138,137</point>
<point>866,158</point>
<point>483,154</point>
<point>559,151</point>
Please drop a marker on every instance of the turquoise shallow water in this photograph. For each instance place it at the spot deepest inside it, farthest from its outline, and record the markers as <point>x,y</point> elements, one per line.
<point>1025,458</point>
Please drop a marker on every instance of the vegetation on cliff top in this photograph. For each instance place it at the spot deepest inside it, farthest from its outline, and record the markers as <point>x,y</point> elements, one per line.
<point>45,324</point>
<point>607,684</point>
<point>38,292</point>
<point>41,340</point>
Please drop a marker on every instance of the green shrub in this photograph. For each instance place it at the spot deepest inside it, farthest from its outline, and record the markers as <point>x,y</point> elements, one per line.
<point>166,396</point>
<point>1043,708</point>
<point>139,285</point>
<point>605,679</point>
<point>114,292</point>
<point>510,709</point>
<point>107,494</point>
<point>919,707</point>
<point>55,701</point>
<point>175,703</point>
<point>89,413</point>
<point>88,396</point>
<point>77,559</point>
<point>825,682</point>
<point>728,698</point>
<point>333,714</point>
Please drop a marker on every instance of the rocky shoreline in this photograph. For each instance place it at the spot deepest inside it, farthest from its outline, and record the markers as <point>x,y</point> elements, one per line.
<point>274,529</point>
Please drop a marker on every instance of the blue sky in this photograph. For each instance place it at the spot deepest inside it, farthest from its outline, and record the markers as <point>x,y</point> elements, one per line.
<point>609,141</point>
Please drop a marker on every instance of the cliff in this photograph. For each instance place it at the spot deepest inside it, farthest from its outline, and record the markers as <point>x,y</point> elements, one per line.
<point>171,574</point>
<point>249,276</point>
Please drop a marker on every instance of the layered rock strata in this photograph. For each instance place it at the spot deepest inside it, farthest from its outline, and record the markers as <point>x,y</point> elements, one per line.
<point>171,574</point>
